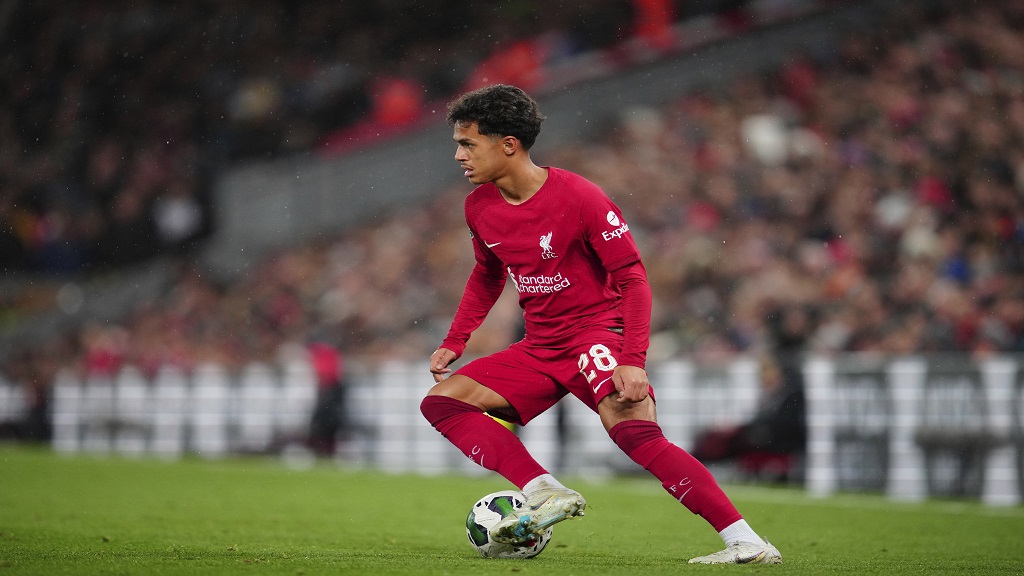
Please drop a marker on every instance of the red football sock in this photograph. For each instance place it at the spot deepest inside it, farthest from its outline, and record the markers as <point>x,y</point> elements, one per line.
<point>481,439</point>
<point>685,478</point>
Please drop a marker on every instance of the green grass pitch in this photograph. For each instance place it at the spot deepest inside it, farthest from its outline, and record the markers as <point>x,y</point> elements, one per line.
<point>81,515</point>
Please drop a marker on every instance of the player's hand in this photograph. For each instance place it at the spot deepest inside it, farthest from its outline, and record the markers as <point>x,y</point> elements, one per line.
<point>439,362</point>
<point>631,382</point>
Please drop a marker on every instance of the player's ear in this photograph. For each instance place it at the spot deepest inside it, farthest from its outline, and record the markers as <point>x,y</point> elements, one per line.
<point>509,145</point>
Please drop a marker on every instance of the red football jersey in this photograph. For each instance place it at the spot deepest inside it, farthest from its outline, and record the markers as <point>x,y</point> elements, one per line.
<point>558,249</point>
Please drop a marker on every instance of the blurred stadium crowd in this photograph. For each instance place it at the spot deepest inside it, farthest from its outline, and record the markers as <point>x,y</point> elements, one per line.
<point>871,201</point>
<point>113,114</point>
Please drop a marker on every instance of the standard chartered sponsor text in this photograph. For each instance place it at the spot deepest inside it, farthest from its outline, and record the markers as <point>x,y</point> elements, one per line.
<point>542,284</point>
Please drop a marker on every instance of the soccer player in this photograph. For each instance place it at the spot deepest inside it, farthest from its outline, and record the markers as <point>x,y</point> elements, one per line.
<point>587,307</point>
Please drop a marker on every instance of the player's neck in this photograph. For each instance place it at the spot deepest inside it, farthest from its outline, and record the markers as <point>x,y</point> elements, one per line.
<point>520,185</point>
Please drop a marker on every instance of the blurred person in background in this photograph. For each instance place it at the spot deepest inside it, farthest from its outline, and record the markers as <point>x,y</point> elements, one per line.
<point>765,444</point>
<point>328,418</point>
<point>768,445</point>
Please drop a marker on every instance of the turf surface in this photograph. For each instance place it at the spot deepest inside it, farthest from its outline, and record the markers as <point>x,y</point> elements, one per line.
<point>106,515</point>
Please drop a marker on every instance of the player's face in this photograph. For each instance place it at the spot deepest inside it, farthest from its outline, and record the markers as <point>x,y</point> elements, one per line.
<point>482,158</point>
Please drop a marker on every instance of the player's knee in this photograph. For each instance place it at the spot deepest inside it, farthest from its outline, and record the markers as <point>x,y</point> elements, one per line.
<point>613,412</point>
<point>436,408</point>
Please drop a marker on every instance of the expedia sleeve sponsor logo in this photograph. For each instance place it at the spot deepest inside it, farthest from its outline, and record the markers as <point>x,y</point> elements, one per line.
<point>617,233</point>
<point>541,284</point>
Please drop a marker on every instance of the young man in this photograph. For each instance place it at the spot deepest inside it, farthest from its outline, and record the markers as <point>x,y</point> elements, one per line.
<point>587,308</point>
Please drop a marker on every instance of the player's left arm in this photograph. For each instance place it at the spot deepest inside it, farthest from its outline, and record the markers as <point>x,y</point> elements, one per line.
<point>608,235</point>
<point>630,377</point>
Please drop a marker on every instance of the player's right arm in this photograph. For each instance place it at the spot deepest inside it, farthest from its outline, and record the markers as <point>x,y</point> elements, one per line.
<point>482,290</point>
<point>485,284</point>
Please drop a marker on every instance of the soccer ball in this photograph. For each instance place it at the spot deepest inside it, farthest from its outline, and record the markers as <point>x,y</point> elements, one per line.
<point>486,513</point>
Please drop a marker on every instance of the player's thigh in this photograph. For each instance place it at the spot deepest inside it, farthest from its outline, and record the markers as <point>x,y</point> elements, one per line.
<point>518,377</point>
<point>468,390</point>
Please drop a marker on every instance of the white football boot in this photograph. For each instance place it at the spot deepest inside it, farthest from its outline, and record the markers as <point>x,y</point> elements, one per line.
<point>543,508</point>
<point>742,553</point>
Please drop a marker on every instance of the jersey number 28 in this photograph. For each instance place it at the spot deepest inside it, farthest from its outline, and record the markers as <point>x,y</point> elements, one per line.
<point>603,360</point>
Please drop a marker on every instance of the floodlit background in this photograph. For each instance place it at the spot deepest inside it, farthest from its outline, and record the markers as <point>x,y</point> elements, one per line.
<point>235,227</point>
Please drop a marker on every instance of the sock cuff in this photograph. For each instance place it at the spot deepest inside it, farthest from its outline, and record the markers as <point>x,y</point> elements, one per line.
<point>631,432</point>
<point>438,408</point>
<point>641,440</point>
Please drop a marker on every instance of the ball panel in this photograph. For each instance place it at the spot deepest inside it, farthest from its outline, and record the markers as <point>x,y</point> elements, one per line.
<point>477,533</point>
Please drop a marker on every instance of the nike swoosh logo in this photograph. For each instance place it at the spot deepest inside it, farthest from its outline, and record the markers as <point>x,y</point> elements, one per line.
<point>751,559</point>
<point>598,385</point>
<point>491,245</point>
<point>684,494</point>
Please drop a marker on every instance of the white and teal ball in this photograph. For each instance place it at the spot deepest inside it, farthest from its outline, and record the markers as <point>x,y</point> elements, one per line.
<point>486,513</point>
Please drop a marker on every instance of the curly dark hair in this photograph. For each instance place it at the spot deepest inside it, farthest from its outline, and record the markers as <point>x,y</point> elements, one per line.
<point>498,110</point>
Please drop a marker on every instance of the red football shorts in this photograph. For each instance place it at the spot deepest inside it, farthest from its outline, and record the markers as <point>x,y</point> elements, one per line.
<point>533,378</point>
